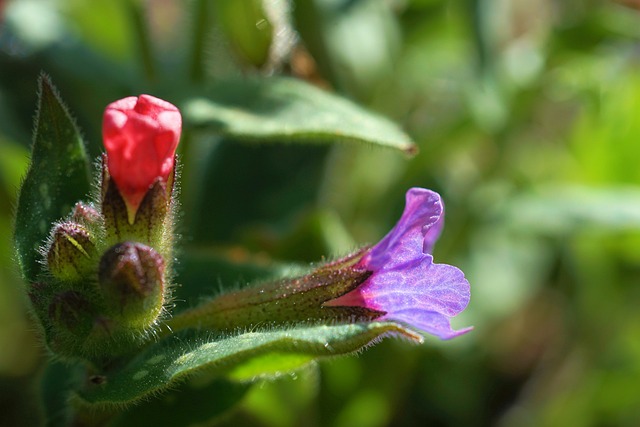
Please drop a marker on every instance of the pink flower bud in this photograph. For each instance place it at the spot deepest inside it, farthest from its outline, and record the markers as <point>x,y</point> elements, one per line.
<point>141,136</point>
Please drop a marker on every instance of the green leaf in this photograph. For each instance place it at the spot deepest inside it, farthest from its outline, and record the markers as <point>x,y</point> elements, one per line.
<point>355,44</point>
<point>179,356</point>
<point>247,28</point>
<point>288,110</point>
<point>57,178</point>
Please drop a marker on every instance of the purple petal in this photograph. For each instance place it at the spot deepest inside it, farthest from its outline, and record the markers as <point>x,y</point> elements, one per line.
<point>421,284</point>
<point>405,284</point>
<point>420,293</point>
<point>427,321</point>
<point>414,235</point>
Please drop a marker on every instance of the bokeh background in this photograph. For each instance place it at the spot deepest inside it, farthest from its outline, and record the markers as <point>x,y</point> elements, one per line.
<point>526,116</point>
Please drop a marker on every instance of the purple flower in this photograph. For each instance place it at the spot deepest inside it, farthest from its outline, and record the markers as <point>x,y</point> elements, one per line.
<point>405,283</point>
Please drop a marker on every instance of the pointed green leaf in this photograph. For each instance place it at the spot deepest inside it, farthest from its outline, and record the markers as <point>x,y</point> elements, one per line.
<point>288,110</point>
<point>179,356</point>
<point>57,178</point>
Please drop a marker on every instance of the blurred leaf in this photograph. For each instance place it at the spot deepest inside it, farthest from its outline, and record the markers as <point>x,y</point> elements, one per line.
<point>604,141</point>
<point>58,177</point>
<point>20,404</point>
<point>141,38</point>
<point>188,404</point>
<point>318,234</point>
<point>10,126</point>
<point>248,190</point>
<point>247,28</point>
<point>563,209</point>
<point>290,401</point>
<point>355,43</point>
<point>13,163</point>
<point>289,110</point>
<point>102,25</point>
<point>203,272</point>
<point>178,356</point>
<point>63,37</point>
<point>202,22</point>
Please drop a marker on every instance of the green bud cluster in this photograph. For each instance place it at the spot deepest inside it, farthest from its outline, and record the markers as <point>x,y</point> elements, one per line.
<point>107,279</point>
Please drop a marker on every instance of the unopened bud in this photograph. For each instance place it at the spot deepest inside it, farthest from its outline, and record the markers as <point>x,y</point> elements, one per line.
<point>131,277</point>
<point>85,214</point>
<point>70,255</point>
<point>141,135</point>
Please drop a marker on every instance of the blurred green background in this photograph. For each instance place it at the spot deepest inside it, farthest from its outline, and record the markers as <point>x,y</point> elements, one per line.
<point>526,117</point>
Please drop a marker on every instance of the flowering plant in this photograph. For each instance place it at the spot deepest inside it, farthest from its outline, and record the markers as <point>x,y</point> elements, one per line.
<point>103,286</point>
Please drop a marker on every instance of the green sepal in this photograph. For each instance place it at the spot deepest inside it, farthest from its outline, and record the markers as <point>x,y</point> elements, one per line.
<point>290,110</point>
<point>151,224</point>
<point>179,356</point>
<point>71,253</point>
<point>58,176</point>
<point>76,325</point>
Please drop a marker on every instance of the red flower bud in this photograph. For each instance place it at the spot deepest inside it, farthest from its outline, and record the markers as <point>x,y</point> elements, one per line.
<point>141,135</point>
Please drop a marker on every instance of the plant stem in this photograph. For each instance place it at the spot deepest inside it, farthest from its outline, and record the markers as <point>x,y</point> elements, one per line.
<point>200,16</point>
<point>135,10</point>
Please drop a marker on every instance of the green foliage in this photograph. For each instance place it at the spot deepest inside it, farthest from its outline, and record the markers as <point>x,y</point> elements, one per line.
<point>287,110</point>
<point>176,357</point>
<point>525,117</point>
<point>355,43</point>
<point>248,29</point>
<point>58,177</point>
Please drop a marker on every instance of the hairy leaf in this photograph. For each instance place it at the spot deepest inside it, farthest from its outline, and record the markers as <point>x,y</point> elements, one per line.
<point>176,357</point>
<point>57,178</point>
<point>288,110</point>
